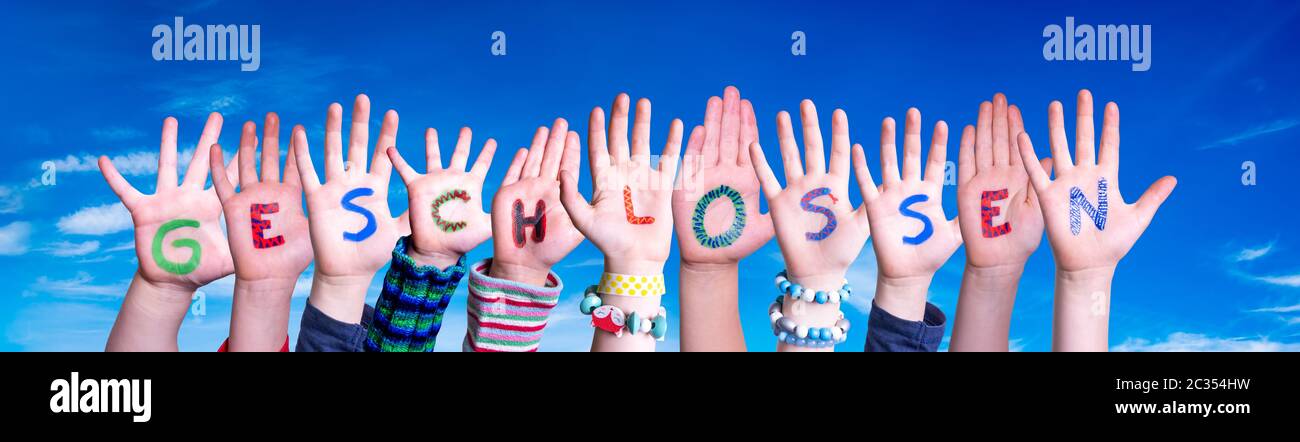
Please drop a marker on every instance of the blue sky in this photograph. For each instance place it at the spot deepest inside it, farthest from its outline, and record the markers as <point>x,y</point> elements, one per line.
<point>1216,270</point>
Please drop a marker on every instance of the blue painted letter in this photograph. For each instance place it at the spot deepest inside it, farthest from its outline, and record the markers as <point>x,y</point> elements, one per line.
<point>369,229</point>
<point>927,229</point>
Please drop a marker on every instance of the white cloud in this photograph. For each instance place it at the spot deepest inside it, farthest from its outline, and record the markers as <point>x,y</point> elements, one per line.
<point>589,262</point>
<point>13,238</point>
<point>63,326</point>
<point>1282,280</point>
<point>1254,132</point>
<point>1278,309</point>
<point>11,199</point>
<point>67,248</point>
<point>97,220</point>
<point>129,245</point>
<point>97,259</point>
<point>1251,254</point>
<point>1185,342</point>
<point>129,164</point>
<point>80,286</point>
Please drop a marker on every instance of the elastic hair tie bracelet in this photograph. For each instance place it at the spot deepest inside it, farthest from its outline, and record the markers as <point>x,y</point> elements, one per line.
<point>799,292</point>
<point>610,318</point>
<point>818,337</point>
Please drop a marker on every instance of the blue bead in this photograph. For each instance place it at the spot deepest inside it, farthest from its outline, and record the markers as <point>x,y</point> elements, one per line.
<point>785,286</point>
<point>781,336</point>
<point>588,304</point>
<point>801,342</point>
<point>659,327</point>
<point>826,334</point>
<point>790,339</point>
<point>633,323</point>
<point>822,297</point>
<point>796,290</point>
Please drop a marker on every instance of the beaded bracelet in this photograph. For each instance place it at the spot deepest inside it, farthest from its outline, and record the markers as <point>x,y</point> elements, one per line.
<point>610,318</point>
<point>797,291</point>
<point>787,331</point>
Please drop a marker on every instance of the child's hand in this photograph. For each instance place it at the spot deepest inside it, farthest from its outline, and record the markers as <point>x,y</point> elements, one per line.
<point>264,221</point>
<point>630,214</point>
<point>1088,222</point>
<point>819,231</point>
<point>717,174</point>
<point>999,215</point>
<point>530,229</point>
<point>448,220</point>
<point>913,238</point>
<point>178,238</point>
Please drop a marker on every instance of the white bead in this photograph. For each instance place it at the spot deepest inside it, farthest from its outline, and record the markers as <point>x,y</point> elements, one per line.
<point>834,298</point>
<point>645,325</point>
<point>836,333</point>
<point>775,316</point>
<point>801,331</point>
<point>809,295</point>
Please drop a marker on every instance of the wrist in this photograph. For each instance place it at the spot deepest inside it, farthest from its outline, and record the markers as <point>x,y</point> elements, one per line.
<point>524,274</point>
<point>159,298</point>
<point>259,319</point>
<point>903,297</point>
<point>709,268</point>
<point>821,281</point>
<point>342,298</point>
<point>437,258</point>
<point>634,266</point>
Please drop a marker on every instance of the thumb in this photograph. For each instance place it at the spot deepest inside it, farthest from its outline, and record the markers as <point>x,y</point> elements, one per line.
<point>580,211</point>
<point>1153,198</point>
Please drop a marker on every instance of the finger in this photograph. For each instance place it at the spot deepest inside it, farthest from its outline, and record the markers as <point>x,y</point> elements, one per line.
<point>966,156</point>
<point>379,164</point>
<point>641,131</point>
<point>125,192</point>
<point>597,150</point>
<point>866,184</point>
<point>789,149</point>
<point>310,182</point>
<point>766,179</point>
<point>840,145</point>
<point>333,142</point>
<point>516,169</point>
<point>432,156</point>
<point>232,171</point>
<point>291,176</point>
<point>814,152</point>
<point>1001,131</point>
<point>888,152</point>
<point>672,148</point>
<point>555,147</point>
<point>167,155</point>
<point>197,173</point>
<point>571,157</point>
<point>533,165</point>
<point>934,170</point>
<point>1037,176</point>
<point>359,133</point>
<point>580,211</point>
<point>618,150</point>
<point>460,156</point>
<point>728,144</point>
<point>1153,198</point>
<point>1083,130</point>
<point>271,148</point>
<point>247,154</point>
<point>219,181</point>
<point>1109,156</point>
<point>484,161</point>
<point>712,132</point>
<point>1056,129</point>
<point>748,132</point>
<point>984,137</point>
<point>912,145</point>
<point>1047,168</point>
<point>1017,126</point>
<point>404,170</point>
<point>691,159</point>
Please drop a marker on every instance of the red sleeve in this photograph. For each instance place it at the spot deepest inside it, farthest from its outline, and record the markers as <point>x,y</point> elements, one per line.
<point>226,343</point>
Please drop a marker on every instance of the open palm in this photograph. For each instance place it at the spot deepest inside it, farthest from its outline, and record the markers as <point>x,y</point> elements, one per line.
<point>913,238</point>
<point>1085,232</point>
<point>178,237</point>
<point>449,220</point>
<point>819,231</point>
<point>264,220</point>
<point>630,214</point>
<point>530,192</point>
<point>352,230</point>
<point>717,174</point>
<point>990,174</point>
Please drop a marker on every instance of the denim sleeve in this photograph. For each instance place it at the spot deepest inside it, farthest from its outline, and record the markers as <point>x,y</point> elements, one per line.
<point>319,332</point>
<point>408,313</point>
<point>886,332</point>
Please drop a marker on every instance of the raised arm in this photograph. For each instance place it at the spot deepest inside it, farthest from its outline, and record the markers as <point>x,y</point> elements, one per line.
<point>1088,223</point>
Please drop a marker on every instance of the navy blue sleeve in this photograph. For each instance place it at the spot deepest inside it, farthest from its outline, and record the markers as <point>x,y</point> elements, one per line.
<point>320,332</point>
<point>886,332</point>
